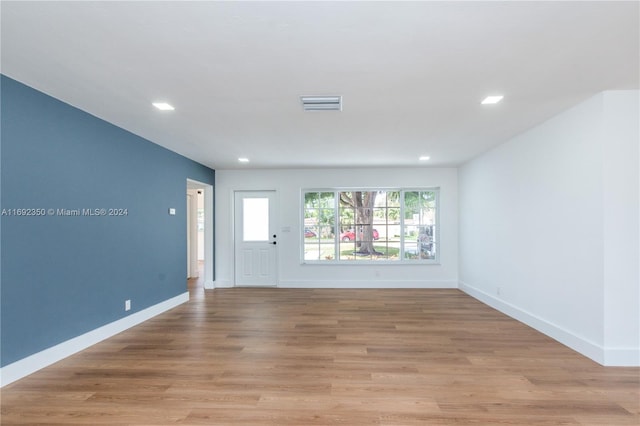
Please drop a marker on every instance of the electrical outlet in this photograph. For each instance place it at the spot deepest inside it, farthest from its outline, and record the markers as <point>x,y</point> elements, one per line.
<point>127,305</point>
<point>498,291</point>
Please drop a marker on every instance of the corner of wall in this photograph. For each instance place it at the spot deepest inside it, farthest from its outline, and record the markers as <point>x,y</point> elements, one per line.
<point>584,290</point>
<point>26,366</point>
<point>567,338</point>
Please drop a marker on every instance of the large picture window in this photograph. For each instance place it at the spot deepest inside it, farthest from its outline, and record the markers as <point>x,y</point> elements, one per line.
<point>398,225</point>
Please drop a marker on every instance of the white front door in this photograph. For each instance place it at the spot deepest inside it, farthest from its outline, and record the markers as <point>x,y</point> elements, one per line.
<point>255,238</point>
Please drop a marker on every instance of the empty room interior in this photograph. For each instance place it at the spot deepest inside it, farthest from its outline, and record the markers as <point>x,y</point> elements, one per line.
<point>319,213</point>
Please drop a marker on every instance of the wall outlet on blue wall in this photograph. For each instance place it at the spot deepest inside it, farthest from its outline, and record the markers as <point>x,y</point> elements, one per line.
<point>127,305</point>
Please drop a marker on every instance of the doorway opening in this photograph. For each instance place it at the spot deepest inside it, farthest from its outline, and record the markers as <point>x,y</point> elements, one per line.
<point>199,208</point>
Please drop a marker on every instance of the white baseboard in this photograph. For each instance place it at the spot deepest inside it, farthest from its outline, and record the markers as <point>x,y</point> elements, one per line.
<point>354,284</point>
<point>629,357</point>
<point>22,368</point>
<point>209,285</point>
<point>224,284</point>
<point>621,357</point>
<point>391,284</point>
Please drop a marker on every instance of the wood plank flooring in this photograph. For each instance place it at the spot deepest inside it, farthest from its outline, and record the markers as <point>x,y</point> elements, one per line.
<point>327,357</point>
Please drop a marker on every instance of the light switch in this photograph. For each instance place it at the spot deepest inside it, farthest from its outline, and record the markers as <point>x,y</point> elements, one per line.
<point>172,212</point>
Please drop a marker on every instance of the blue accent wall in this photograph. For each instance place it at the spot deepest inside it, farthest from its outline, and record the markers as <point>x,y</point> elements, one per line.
<point>62,276</point>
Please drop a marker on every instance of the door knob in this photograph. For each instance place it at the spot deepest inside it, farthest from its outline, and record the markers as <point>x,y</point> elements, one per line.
<point>274,243</point>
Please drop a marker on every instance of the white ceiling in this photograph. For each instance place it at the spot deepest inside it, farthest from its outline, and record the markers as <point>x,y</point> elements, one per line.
<point>412,75</point>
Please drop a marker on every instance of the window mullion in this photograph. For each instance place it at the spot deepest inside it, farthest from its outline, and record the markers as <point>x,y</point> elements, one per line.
<point>336,226</point>
<point>402,230</point>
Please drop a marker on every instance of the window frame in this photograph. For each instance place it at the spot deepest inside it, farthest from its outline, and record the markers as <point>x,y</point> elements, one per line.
<point>401,260</point>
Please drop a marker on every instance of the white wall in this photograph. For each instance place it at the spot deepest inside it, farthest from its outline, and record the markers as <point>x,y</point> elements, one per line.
<point>549,228</point>
<point>621,227</point>
<point>289,184</point>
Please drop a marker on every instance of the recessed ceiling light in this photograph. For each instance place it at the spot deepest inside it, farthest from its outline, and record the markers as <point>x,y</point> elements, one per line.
<point>243,159</point>
<point>424,158</point>
<point>163,106</point>
<point>492,99</point>
<point>321,103</point>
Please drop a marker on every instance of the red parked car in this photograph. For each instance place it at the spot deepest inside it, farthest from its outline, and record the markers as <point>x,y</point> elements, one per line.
<point>350,235</point>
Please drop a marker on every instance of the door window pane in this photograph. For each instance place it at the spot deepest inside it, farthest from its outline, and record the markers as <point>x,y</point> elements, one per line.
<point>255,219</point>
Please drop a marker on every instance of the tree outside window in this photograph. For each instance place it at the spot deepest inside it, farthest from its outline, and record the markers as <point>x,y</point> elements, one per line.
<point>370,225</point>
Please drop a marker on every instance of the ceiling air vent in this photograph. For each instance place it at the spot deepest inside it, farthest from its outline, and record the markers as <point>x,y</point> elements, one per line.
<point>321,103</point>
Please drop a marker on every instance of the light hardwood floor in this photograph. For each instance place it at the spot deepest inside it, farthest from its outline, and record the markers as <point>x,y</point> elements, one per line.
<point>327,357</point>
